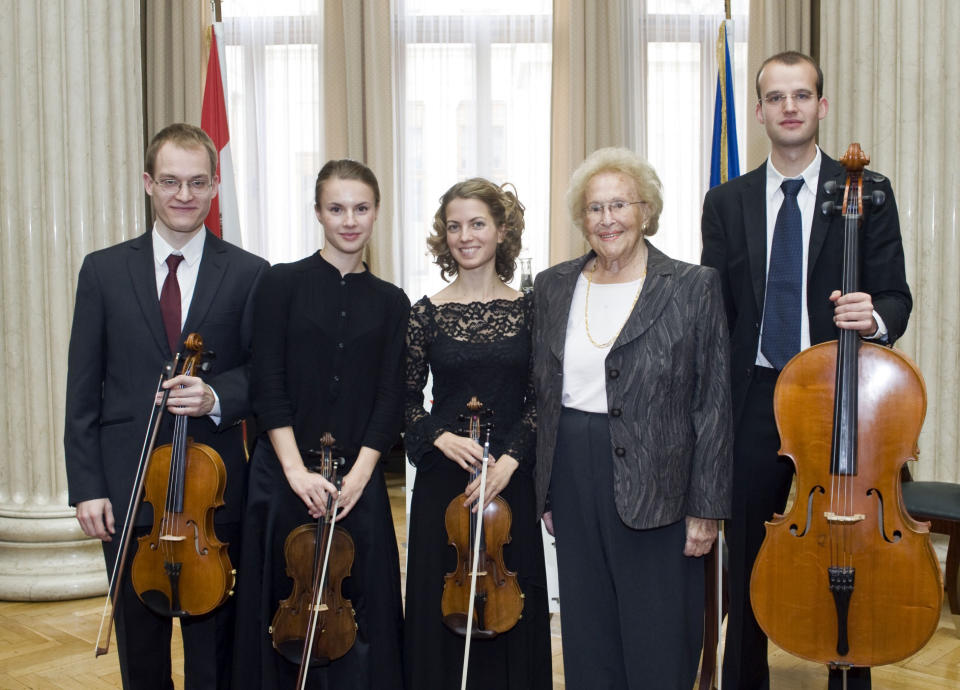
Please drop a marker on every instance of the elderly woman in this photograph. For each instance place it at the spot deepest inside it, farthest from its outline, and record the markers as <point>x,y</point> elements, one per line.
<point>634,434</point>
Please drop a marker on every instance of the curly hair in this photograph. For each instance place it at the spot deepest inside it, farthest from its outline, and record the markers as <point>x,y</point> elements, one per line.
<point>616,160</point>
<point>505,209</point>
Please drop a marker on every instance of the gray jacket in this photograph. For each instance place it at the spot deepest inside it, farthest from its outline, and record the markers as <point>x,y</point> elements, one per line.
<point>668,392</point>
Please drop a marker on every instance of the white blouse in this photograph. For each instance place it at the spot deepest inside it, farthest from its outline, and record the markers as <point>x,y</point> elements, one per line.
<point>584,371</point>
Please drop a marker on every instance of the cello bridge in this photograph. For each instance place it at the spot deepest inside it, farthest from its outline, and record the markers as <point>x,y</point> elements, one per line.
<point>320,608</point>
<point>172,537</point>
<point>481,573</point>
<point>844,519</point>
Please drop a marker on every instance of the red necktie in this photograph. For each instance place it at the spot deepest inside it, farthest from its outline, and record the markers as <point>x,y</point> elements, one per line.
<point>170,302</point>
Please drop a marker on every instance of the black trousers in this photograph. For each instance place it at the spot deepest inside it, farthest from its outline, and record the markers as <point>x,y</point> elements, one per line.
<point>631,602</point>
<point>761,486</point>
<point>143,638</point>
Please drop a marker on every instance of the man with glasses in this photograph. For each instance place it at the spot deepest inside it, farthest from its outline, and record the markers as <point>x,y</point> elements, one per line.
<point>780,261</point>
<point>136,303</point>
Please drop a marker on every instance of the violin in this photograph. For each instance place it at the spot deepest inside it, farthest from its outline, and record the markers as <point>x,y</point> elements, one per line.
<point>481,597</point>
<point>847,577</point>
<point>316,624</point>
<point>181,568</point>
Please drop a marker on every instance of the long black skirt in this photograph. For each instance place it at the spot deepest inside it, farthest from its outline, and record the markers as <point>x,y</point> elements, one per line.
<point>273,510</point>
<point>433,655</point>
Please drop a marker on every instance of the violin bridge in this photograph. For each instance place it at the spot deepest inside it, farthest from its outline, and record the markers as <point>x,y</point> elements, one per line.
<point>844,519</point>
<point>172,537</point>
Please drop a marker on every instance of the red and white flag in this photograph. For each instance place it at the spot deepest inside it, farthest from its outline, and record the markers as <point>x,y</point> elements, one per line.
<point>224,217</point>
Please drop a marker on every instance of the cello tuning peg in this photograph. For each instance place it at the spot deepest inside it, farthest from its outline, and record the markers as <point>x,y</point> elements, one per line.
<point>828,208</point>
<point>830,187</point>
<point>209,354</point>
<point>205,367</point>
<point>877,197</point>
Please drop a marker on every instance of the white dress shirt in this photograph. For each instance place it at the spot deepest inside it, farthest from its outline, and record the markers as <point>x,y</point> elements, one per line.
<point>187,273</point>
<point>806,200</point>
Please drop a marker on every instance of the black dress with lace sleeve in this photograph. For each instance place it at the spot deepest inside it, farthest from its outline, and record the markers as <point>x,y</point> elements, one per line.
<point>480,349</point>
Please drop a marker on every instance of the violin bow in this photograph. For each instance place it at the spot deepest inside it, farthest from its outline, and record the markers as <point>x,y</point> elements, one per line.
<point>315,605</point>
<point>476,558</point>
<point>149,441</point>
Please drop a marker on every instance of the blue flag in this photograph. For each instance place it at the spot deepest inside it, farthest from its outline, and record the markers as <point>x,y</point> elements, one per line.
<point>725,160</point>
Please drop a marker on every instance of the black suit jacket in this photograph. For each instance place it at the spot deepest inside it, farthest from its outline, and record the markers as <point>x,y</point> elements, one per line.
<point>734,228</point>
<point>118,347</point>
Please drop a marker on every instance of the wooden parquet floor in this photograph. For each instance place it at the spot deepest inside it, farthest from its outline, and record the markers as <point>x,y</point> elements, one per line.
<point>50,645</point>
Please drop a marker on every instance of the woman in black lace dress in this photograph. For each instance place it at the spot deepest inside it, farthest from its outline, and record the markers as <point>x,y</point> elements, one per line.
<point>474,335</point>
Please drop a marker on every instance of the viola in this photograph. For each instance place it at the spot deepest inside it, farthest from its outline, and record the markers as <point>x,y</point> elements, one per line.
<point>481,597</point>
<point>847,577</point>
<point>316,624</point>
<point>181,568</point>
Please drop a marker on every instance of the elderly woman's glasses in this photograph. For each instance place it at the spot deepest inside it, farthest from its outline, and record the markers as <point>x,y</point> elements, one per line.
<point>616,208</point>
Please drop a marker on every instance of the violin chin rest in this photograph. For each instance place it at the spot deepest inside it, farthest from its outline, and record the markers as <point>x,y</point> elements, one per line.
<point>292,651</point>
<point>457,622</point>
<point>159,603</point>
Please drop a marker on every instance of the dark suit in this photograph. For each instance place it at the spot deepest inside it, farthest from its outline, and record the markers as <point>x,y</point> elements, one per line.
<point>621,483</point>
<point>118,347</point>
<point>734,228</point>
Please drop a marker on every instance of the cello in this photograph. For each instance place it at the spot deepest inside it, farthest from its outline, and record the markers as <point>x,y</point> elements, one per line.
<point>847,578</point>
<point>481,597</point>
<point>316,624</point>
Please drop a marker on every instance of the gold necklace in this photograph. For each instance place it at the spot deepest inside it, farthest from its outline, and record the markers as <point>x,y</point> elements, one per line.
<point>586,308</point>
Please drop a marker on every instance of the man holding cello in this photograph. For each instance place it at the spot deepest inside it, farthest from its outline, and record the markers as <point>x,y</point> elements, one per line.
<point>136,303</point>
<point>780,263</point>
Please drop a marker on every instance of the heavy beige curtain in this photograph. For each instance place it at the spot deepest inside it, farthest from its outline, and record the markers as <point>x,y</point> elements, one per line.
<point>358,107</point>
<point>892,88</point>
<point>176,54</point>
<point>587,108</point>
<point>775,26</point>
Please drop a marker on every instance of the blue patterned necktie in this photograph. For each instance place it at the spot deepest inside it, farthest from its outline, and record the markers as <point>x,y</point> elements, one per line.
<point>781,307</point>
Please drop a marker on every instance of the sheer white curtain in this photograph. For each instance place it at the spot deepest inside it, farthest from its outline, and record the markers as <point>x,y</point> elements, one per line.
<point>473,85</point>
<point>273,57</point>
<point>671,73</point>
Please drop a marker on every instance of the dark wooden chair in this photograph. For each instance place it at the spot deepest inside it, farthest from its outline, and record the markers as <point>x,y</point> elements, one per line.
<point>939,504</point>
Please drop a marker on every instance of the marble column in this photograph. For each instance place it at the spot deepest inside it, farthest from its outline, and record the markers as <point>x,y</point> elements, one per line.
<point>71,154</point>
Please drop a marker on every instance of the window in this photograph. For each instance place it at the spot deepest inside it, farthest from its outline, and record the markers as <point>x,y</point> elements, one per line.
<point>673,85</point>
<point>473,87</point>
<point>274,103</point>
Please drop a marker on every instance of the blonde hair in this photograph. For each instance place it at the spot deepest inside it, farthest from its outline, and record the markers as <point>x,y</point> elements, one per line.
<point>186,137</point>
<point>617,160</point>
<point>505,209</point>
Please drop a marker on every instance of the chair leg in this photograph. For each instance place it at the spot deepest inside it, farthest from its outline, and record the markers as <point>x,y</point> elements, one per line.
<point>952,566</point>
<point>711,631</point>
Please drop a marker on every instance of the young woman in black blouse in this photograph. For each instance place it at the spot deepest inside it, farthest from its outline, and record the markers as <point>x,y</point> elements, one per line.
<point>475,337</point>
<point>327,357</point>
